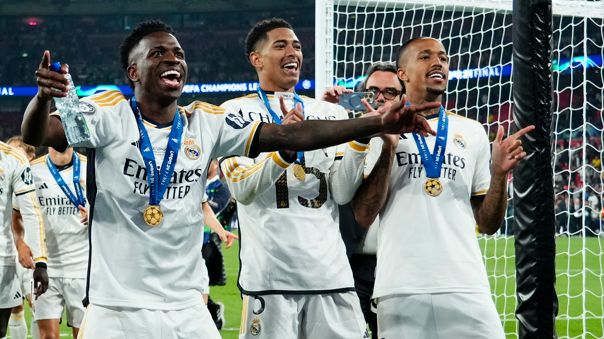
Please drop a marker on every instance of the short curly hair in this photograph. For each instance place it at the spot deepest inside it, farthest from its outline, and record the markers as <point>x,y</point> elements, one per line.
<point>259,31</point>
<point>138,33</point>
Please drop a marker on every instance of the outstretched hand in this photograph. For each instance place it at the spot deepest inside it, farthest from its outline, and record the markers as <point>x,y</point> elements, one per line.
<point>51,84</point>
<point>402,118</point>
<point>390,140</point>
<point>508,152</point>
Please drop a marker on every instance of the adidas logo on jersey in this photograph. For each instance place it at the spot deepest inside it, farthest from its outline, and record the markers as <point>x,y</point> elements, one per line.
<point>43,186</point>
<point>17,295</point>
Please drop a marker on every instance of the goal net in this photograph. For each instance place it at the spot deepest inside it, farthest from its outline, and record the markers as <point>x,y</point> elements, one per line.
<point>351,34</point>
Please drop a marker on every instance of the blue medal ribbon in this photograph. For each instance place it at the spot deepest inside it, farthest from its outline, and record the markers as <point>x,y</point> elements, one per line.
<point>76,199</point>
<point>158,183</point>
<point>277,119</point>
<point>434,162</point>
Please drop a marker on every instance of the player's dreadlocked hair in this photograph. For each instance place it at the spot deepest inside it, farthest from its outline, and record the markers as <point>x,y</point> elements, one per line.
<point>138,33</point>
<point>258,32</point>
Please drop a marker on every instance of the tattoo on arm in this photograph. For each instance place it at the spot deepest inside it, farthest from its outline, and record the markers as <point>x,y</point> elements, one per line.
<point>371,195</point>
<point>489,210</point>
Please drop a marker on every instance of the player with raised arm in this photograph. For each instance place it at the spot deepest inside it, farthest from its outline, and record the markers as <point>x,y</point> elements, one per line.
<point>60,181</point>
<point>16,178</point>
<point>430,194</point>
<point>144,269</point>
<point>294,274</point>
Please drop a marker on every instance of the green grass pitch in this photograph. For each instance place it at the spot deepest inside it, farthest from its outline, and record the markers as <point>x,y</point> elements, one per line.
<point>575,286</point>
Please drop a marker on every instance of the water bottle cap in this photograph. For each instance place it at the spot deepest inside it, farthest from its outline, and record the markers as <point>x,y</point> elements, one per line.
<point>55,66</point>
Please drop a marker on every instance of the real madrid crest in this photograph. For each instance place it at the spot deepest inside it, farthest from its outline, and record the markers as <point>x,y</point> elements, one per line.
<point>192,150</point>
<point>459,141</point>
<point>433,187</point>
<point>256,326</point>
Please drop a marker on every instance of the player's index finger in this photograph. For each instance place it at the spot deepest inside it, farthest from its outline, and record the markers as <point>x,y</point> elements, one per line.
<point>282,105</point>
<point>523,131</point>
<point>45,63</point>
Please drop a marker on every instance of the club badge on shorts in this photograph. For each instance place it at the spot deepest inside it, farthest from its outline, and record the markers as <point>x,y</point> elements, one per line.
<point>433,187</point>
<point>153,215</point>
<point>299,172</point>
<point>256,326</point>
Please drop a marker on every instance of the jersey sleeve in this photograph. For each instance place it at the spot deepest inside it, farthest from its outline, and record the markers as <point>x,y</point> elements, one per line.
<point>24,189</point>
<point>247,178</point>
<point>346,173</point>
<point>95,110</point>
<point>15,203</point>
<point>235,135</point>
<point>374,152</point>
<point>482,172</point>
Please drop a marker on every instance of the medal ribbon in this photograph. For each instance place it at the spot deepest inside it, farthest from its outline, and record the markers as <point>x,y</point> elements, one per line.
<point>434,162</point>
<point>76,199</point>
<point>158,183</point>
<point>277,119</point>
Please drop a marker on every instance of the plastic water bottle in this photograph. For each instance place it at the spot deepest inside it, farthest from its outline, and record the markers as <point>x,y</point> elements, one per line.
<point>76,129</point>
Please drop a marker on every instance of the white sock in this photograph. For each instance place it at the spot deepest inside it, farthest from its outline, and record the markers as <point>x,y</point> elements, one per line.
<point>17,326</point>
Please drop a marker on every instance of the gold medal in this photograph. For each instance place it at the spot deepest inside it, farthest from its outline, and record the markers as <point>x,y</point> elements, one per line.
<point>299,172</point>
<point>433,187</point>
<point>153,215</point>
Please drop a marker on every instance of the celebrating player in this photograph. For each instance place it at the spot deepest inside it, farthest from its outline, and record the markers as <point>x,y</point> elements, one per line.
<point>430,278</point>
<point>16,177</point>
<point>60,178</point>
<point>293,260</point>
<point>144,269</point>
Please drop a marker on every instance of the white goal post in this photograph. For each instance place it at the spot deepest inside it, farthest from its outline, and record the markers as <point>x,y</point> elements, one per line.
<point>352,34</point>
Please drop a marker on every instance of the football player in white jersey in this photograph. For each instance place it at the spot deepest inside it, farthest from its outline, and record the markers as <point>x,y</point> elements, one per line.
<point>17,325</point>
<point>430,278</point>
<point>60,181</point>
<point>294,275</point>
<point>16,177</point>
<point>145,220</point>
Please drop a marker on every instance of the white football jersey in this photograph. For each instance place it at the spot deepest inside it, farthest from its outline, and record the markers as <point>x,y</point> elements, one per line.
<point>428,244</point>
<point>132,264</point>
<point>290,238</point>
<point>16,178</point>
<point>66,236</point>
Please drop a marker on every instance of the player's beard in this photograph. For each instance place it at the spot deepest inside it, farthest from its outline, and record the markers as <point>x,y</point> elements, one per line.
<point>434,93</point>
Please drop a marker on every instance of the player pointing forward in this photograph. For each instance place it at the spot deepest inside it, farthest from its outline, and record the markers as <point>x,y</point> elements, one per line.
<point>430,193</point>
<point>148,156</point>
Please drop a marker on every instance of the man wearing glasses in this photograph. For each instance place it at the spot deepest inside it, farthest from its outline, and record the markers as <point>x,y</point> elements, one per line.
<point>361,244</point>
